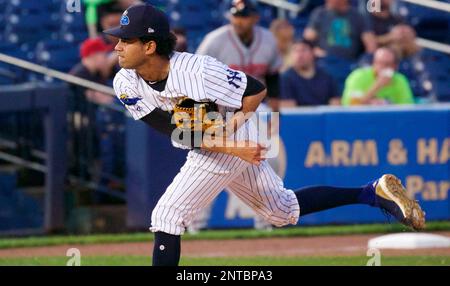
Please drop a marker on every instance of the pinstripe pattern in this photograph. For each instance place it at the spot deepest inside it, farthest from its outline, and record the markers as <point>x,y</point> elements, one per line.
<point>191,190</point>
<point>262,190</point>
<point>205,174</point>
<point>201,78</point>
<point>195,187</point>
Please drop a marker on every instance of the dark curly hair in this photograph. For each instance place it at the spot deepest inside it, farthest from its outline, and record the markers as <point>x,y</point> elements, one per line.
<point>164,46</point>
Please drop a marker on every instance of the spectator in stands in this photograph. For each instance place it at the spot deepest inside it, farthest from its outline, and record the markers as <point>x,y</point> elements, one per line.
<point>93,53</point>
<point>283,32</point>
<point>379,84</point>
<point>404,41</point>
<point>105,123</point>
<point>339,30</point>
<point>247,47</point>
<point>182,44</point>
<point>391,30</point>
<point>305,83</point>
<point>383,21</point>
<point>109,15</point>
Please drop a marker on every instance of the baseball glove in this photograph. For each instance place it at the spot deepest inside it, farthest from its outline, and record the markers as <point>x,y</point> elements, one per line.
<point>191,115</point>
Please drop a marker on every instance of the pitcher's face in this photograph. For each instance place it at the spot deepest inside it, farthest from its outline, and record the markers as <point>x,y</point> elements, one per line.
<point>131,53</point>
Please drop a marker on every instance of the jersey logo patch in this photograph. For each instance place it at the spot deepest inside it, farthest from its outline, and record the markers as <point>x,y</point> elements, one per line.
<point>129,100</point>
<point>232,77</point>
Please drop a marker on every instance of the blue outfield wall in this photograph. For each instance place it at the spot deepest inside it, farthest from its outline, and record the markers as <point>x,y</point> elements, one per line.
<point>352,147</point>
<point>322,146</point>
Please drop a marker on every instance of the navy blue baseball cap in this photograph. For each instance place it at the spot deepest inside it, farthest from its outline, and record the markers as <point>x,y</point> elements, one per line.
<point>243,8</point>
<point>141,20</point>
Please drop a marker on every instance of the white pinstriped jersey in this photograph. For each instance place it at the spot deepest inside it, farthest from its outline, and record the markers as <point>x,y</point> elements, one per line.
<point>205,174</point>
<point>259,59</point>
<point>201,78</point>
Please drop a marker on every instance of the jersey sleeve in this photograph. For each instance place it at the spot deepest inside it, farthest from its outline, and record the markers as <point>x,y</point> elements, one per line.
<point>222,84</point>
<point>129,97</point>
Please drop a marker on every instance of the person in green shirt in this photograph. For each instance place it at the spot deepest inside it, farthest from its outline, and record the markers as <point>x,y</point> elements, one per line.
<point>379,84</point>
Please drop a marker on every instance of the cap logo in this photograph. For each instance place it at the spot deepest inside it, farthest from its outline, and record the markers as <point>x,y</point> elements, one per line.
<point>124,20</point>
<point>239,4</point>
<point>150,30</point>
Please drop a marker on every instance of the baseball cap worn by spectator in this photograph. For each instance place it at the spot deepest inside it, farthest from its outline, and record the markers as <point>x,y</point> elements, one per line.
<point>93,46</point>
<point>142,20</point>
<point>243,8</point>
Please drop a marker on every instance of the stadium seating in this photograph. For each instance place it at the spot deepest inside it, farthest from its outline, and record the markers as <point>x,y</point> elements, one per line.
<point>65,31</point>
<point>17,210</point>
<point>429,23</point>
<point>440,89</point>
<point>24,6</point>
<point>57,55</point>
<point>299,24</point>
<point>196,17</point>
<point>72,27</point>
<point>22,28</point>
<point>338,68</point>
<point>10,74</point>
<point>435,74</point>
<point>3,4</point>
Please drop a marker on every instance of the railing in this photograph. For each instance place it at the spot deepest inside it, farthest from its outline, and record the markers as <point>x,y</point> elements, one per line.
<point>56,74</point>
<point>433,45</point>
<point>51,103</point>
<point>431,4</point>
<point>294,8</point>
<point>83,171</point>
<point>297,8</point>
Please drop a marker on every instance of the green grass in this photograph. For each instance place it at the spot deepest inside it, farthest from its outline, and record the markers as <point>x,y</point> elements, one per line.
<point>216,234</point>
<point>235,261</point>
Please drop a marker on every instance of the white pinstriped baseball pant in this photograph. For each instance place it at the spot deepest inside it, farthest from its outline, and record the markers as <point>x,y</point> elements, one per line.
<point>195,187</point>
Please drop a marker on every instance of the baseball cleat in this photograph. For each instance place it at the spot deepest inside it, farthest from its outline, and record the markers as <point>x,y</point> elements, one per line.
<point>391,196</point>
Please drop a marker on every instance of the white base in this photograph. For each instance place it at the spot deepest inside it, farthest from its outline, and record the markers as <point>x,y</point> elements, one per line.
<point>409,241</point>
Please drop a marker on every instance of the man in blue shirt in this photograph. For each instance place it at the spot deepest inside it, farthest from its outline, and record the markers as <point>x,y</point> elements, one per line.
<point>305,84</point>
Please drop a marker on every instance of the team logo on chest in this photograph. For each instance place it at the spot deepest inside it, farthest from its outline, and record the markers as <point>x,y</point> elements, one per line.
<point>232,77</point>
